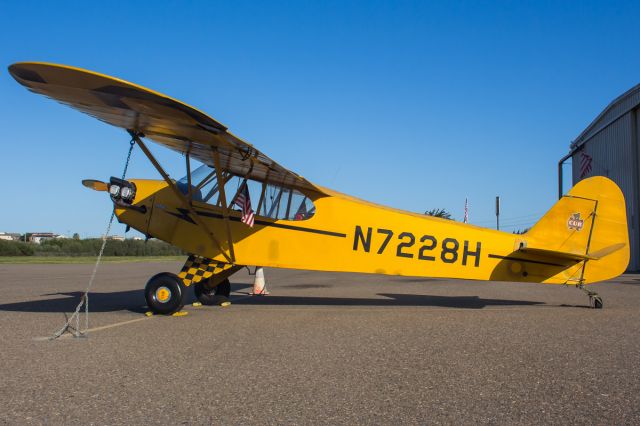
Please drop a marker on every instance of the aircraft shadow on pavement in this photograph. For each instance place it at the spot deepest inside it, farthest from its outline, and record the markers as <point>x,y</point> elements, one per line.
<point>388,299</point>
<point>98,302</point>
<point>133,300</point>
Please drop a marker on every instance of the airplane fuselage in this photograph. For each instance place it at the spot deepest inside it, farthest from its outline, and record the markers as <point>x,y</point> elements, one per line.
<point>346,235</point>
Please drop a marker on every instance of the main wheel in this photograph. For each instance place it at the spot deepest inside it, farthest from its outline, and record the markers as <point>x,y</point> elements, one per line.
<point>224,288</point>
<point>164,293</point>
<point>211,296</point>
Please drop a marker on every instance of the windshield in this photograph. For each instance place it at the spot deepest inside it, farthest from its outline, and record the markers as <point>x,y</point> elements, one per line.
<point>197,176</point>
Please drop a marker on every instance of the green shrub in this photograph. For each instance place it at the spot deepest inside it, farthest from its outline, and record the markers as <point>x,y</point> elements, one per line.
<point>15,248</point>
<point>88,247</point>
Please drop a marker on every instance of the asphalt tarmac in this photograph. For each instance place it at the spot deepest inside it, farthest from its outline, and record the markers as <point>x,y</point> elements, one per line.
<point>323,348</point>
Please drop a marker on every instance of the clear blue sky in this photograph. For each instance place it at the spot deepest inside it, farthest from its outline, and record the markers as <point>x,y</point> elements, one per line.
<point>409,104</point>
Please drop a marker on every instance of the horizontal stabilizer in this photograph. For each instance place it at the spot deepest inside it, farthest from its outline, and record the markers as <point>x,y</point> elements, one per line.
<point>560,255</point>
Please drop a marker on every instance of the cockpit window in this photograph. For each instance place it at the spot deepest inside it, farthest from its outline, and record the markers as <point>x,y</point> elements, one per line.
<point>266,200</point>
<point>283,203</point>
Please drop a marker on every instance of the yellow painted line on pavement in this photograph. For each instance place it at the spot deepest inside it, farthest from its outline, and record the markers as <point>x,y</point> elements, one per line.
<point>94,329</point>
<point>118,324</point>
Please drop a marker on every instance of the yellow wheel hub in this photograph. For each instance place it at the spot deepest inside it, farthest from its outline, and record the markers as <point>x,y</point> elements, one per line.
<point>163,294</point>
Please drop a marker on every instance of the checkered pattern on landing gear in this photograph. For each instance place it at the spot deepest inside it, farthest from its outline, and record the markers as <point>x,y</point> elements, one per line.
<point>198,268</point>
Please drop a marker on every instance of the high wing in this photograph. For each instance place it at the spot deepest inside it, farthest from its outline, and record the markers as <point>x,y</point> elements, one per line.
<point>160,118</point>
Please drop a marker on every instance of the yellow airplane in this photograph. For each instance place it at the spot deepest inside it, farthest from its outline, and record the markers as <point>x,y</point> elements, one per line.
<point>239,207</point>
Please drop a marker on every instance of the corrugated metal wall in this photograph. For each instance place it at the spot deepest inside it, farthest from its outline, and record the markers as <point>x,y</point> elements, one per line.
<point>614,153</point>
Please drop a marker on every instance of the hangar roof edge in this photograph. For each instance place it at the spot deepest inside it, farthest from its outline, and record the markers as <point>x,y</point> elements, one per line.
<point>616,109</point>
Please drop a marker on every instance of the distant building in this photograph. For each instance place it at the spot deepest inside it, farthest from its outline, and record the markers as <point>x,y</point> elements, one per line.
<point>39,237</point>
<point>610,146</point>
<point>10,236</point>
<point>115,238</point>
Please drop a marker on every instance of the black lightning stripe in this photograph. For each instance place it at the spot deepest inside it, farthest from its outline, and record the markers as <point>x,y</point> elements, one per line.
<point>183,214</point>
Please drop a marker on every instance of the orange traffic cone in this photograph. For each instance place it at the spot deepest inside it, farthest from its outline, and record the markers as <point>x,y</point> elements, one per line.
<point>259,286</point>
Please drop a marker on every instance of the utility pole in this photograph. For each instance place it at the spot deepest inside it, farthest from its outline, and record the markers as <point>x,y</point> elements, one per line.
<point>498,212</point>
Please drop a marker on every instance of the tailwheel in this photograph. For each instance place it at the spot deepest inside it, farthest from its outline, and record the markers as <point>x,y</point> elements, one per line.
<point>595,301</point>
<point>164,293</point>
<point>208,295</point>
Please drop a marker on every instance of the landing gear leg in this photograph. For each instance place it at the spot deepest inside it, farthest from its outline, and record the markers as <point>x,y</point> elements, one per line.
<point>595,301</point>
<point>209,278</point>
<point>208,295</point>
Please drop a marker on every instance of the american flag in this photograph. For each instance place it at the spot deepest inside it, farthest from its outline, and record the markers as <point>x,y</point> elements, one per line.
<point>301,214</point>
<point>244,202</point>
<point>585,164</point>
<point>466,212</point>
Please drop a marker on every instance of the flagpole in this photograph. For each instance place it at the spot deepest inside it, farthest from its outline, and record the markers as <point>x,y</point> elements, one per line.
<point>466,210</point>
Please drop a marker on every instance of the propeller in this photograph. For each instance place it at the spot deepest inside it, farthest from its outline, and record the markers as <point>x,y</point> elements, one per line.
<point>96,185</point>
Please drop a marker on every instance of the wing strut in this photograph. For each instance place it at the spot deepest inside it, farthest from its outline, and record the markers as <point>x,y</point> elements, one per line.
<point>223,198</point>
<point>187,159</point>
<point>181,197</point>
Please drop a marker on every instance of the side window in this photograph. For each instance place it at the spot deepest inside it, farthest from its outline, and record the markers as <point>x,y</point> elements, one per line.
<point>283,206</point>
<point>206,191</point>
<point>283,203</point>
<point>304,208</point>
<point>204,185</point>
<point>271,201</point>
<point>266,200</point>
<point>234,188</point>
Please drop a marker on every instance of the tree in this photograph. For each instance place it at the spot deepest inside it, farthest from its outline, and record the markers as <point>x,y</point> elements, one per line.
<point>441,213</point>
<point>76,236</point>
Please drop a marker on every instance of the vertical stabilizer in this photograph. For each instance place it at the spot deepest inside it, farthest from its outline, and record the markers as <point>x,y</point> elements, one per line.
<point>588,224</point>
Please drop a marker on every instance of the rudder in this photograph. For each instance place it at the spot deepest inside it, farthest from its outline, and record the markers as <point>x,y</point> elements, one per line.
<point>589,224</point>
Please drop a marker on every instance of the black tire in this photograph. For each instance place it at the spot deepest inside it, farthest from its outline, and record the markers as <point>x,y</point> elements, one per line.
<point>597,303</point>
<point>211,296</point>
<point>224,288</point>
<point>164,293</point>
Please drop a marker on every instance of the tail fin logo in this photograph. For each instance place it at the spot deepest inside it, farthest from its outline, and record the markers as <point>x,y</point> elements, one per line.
<point>575,222</point>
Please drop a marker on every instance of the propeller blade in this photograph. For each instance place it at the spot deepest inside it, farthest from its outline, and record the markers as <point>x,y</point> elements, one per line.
<point>96,185</point>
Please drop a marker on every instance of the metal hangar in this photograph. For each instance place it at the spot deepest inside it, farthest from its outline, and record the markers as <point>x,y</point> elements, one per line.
<point>610,146</point>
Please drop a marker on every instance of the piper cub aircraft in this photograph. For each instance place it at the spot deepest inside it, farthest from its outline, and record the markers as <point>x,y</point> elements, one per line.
<point>239,207</point>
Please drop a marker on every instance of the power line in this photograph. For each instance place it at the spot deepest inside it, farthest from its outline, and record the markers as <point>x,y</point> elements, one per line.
<point>533,216</point>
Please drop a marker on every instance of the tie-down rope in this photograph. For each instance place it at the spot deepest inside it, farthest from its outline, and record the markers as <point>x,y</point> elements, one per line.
<point>84,300</point>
